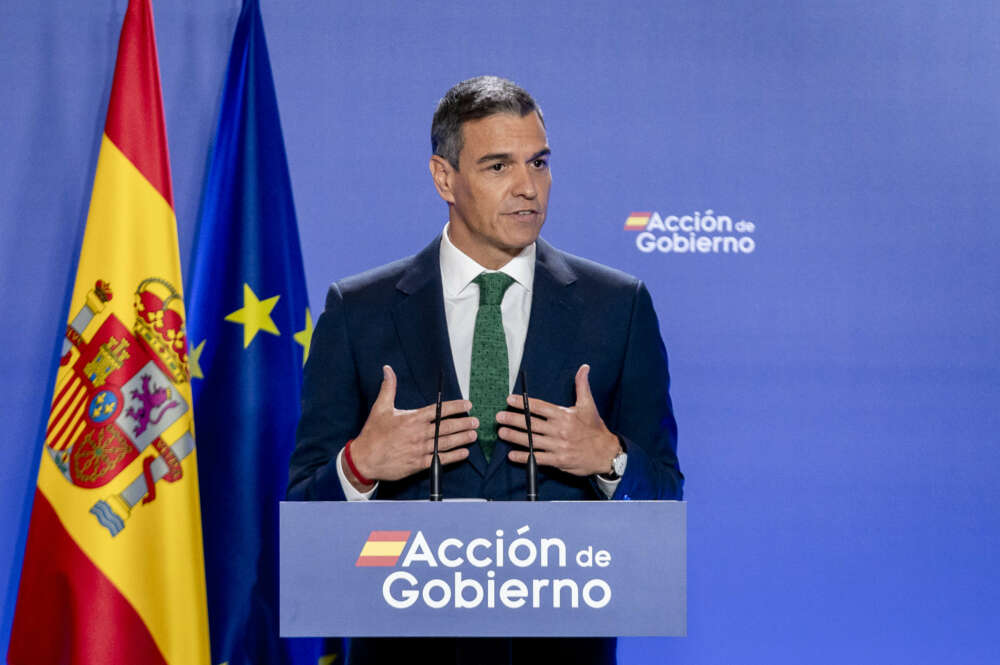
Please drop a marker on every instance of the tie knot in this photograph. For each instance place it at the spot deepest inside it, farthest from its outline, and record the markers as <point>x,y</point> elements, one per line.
<point>492,286</point>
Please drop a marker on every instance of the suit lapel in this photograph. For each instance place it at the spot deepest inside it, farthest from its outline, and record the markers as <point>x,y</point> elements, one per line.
<point>555,309</point>
<point>423,333</point>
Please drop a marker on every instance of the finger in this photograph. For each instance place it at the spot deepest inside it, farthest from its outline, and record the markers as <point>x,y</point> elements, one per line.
<point>451,426</point>
<point>583,394</point>
<point>450,408</point>
<point>539,407</point>
<point>521,457</point>
<point>453,441</point>
<point>518,420</point>
<point>520,438</point>
<point>455,406</point>
<point>514,436</point>
<point>451,456</point>
<point>387,391</point>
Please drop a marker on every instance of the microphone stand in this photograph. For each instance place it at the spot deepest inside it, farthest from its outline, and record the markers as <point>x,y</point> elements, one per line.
<point>435,458</point>
<point>532,464</point>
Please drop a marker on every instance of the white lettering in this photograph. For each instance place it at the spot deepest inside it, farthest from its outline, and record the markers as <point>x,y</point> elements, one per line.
<point>419,551</point>
<point>645,242</point>
<point>522,543</point>
<point>558,586</point>
<point>708,223</point>
<point>470,552</point>
<point>549,543</point>
<point>655,223</point>
<point>536,591</point>
<point>513,593</point>
<point>491,589</point>
<point>588,589</point>
<point>401,589</point>
<point>445,594</point>
<point>443,552</point>
<point>461,585</point>
<point>406,597</point>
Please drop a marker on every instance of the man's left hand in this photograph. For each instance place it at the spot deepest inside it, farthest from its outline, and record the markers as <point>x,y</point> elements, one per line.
<point>573,439</point>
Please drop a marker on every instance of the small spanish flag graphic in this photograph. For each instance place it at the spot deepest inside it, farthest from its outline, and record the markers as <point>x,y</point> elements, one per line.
<point>383,548</point>
<point>637,221</point>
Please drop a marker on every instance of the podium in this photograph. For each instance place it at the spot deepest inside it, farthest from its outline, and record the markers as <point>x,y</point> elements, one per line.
<point>483,569</point>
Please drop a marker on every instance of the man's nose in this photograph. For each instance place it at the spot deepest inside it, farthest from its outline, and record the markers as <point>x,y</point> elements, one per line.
<point>524,185</point>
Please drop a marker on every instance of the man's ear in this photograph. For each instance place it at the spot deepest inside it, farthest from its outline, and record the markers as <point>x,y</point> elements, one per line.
<point>441,172</point>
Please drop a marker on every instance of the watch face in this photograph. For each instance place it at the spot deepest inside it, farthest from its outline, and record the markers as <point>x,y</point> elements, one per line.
<point>618,463</point>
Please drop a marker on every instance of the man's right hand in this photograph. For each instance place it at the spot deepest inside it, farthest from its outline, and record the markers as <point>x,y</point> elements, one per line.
<point>394,444</point>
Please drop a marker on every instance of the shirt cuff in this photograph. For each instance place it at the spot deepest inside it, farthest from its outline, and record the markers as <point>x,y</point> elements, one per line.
<point>608,487</point>
<point>354,495</point>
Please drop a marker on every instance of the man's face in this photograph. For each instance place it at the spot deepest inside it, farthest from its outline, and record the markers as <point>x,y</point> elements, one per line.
<point>500,193</point>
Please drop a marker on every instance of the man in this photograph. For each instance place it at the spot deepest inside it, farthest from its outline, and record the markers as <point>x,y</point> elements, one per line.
<point>485,298</point>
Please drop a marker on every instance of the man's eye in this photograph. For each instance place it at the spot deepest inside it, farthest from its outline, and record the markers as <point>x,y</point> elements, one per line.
<point>540,163</point>
<point>497,167</point>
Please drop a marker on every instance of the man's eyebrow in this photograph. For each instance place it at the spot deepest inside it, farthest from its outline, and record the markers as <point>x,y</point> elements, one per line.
<point>506,156</point>
<point>494,157</point>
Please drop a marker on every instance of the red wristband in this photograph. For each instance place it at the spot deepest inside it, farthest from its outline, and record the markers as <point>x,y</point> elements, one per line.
<point>350,465</point>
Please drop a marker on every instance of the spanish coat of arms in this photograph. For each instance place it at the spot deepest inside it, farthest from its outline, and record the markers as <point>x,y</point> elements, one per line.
<point>119,396</point>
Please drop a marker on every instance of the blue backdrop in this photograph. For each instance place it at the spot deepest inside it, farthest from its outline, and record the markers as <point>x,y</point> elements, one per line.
<point>836,388</point>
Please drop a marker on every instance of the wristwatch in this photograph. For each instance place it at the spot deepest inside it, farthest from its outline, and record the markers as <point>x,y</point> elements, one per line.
<point>617,466</point>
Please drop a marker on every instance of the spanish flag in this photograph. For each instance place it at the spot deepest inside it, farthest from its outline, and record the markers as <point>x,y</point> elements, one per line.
<point>382,548</point>
<point>637,221</point>
<point>113,570</point>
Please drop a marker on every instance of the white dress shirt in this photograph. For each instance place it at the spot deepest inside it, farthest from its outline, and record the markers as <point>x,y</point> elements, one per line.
<point>461,304</point>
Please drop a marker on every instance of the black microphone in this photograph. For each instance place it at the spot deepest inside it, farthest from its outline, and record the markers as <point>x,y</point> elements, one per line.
<point>435,458</point>
<point>532,465</point>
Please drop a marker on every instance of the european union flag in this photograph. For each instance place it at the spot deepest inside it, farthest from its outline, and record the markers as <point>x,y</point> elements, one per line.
<point>249,330</point>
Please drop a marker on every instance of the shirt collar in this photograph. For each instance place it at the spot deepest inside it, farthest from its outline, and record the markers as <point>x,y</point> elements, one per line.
<point>458,269</point>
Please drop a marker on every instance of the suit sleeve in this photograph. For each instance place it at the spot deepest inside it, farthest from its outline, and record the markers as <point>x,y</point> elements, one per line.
<point>331,408</point>
<point>643,415</point>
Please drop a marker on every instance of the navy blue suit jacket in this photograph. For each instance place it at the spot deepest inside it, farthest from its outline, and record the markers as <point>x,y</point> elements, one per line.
<point>581,312</point>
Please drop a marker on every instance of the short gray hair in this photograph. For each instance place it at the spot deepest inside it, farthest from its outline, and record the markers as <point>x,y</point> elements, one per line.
<point>473,99</point>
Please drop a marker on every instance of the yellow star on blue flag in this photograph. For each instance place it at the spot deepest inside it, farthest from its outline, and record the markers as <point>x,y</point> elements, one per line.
<point>304,336</point>
<point>255,315</point>
<point>194,360</point>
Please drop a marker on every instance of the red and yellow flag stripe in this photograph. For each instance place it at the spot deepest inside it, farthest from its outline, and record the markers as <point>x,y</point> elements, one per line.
<point>382,548</point>
<point>138,595</point>
<point>637,221</point>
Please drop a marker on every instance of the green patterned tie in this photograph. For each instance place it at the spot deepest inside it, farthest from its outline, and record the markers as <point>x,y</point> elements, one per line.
<point>489,374</point>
